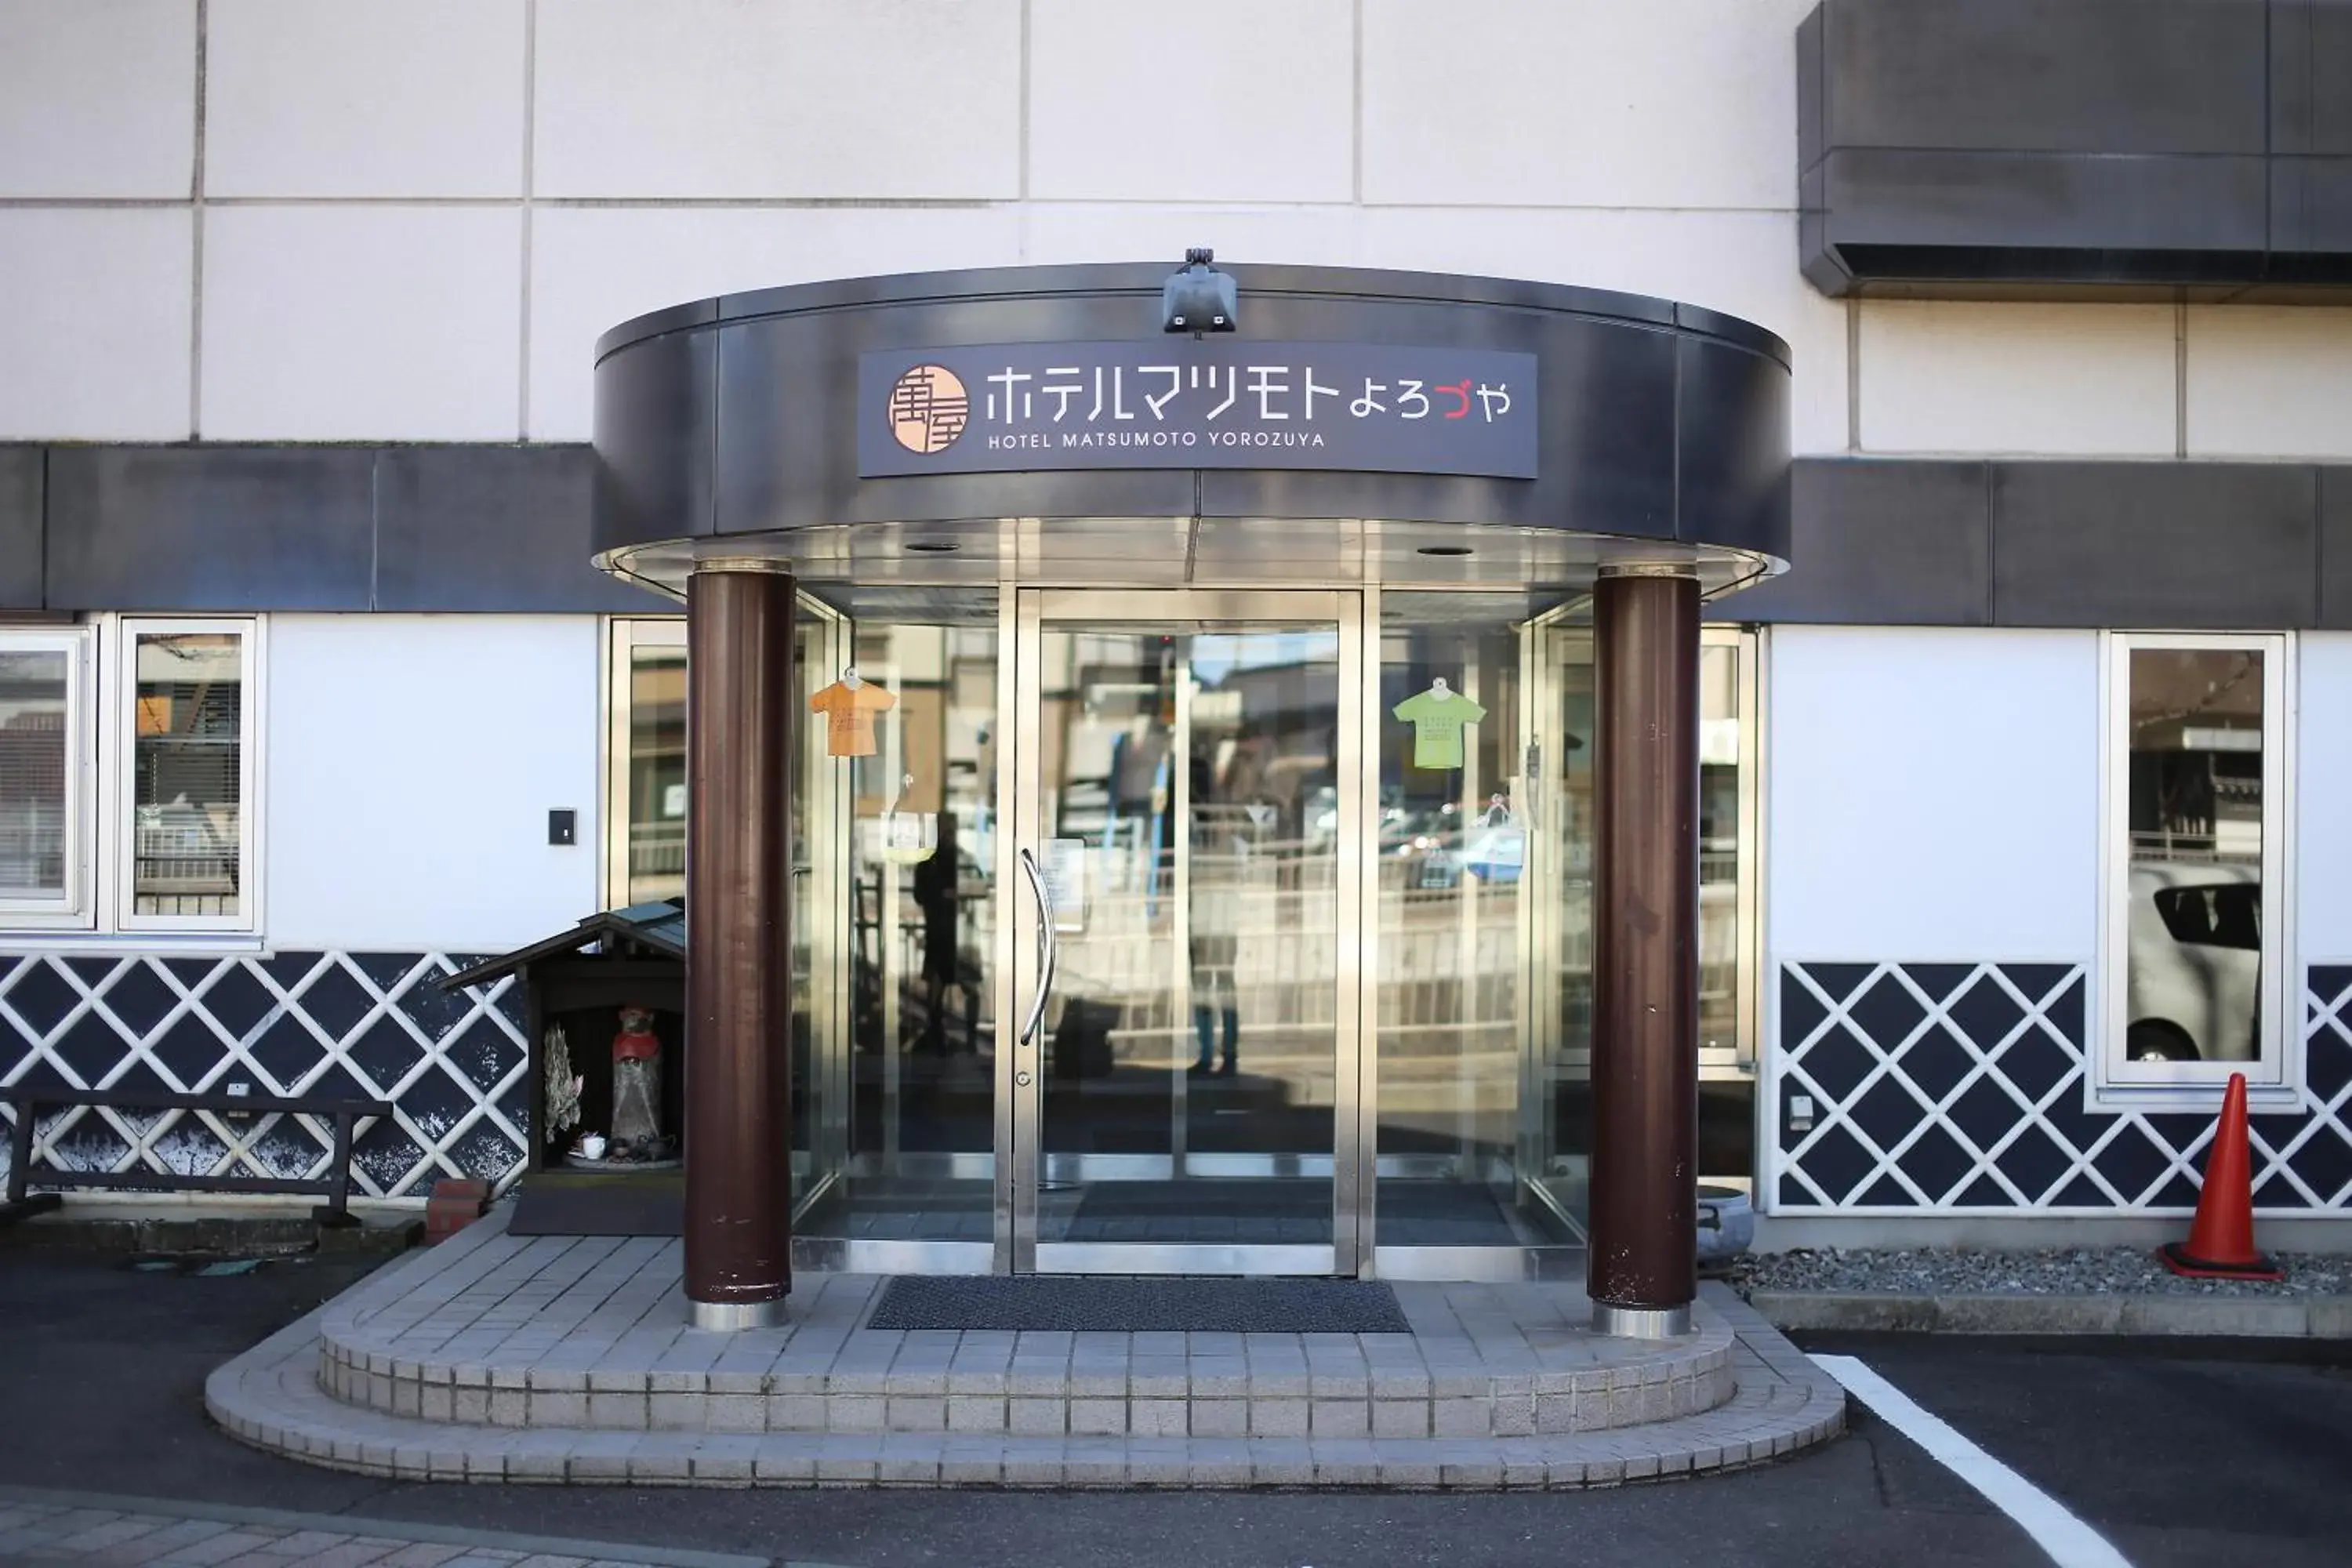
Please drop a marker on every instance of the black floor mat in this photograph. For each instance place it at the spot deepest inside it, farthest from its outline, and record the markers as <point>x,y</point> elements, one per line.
<point>599,1206</point>
<point>1052,1303</point>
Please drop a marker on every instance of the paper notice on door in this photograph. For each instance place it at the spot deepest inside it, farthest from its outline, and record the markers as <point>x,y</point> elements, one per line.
<point>1065,882</point>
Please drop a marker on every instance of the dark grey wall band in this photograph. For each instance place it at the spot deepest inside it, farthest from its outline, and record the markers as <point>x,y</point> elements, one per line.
<point>1876,541</point>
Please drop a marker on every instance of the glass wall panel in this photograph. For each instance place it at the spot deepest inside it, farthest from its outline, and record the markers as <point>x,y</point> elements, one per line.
<point>817,1134</point>
<point>2196,743</point>
<point>187,773</point>
<point>1726,1089</point>
<point>1556,1143</point>
<point>907,728</point>
<point>1456,829</point>
<point>36,687</point>
<point>655,812</point>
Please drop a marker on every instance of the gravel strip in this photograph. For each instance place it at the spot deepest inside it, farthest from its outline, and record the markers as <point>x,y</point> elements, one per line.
<point>2045,1271</point>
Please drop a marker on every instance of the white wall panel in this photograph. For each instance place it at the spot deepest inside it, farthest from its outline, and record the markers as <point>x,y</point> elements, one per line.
<point>94,309</point>
<point>1219,100</point>
<point>1933,795</point>
<point>2099,380</point>
<point>1668,103</point>
<point>361,322</point>
<point>413,761</point>
<point>1743,263</point>
<point>363,97</point>
<point>2323,827</point>
<point>2270,382</point>
<point>790,98</point>
<point>1059,232</point>
<point>593,268</point>
<point>98,99</point>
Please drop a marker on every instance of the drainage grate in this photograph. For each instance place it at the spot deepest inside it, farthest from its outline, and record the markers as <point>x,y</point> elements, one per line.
<point>1096,1304</point>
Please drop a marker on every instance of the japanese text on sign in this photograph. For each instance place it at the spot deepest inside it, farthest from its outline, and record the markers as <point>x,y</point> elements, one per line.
<point>1217,404</point>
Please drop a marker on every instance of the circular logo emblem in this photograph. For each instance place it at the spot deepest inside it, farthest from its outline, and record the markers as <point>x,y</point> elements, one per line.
<point>929,409</point>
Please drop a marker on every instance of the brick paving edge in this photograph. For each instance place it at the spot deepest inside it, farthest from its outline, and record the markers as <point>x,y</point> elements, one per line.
<point>391,1529</point>
<point>269,1399</point>
<point>2137,1313</point>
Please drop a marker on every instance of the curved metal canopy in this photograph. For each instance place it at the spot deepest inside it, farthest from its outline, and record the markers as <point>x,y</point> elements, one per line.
<point>731,427</point>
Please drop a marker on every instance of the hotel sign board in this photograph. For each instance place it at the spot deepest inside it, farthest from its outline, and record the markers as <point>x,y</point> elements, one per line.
<point>1179,402</point>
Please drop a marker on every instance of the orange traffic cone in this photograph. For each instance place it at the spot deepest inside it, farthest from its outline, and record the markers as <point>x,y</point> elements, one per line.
<point>2220,1243</point>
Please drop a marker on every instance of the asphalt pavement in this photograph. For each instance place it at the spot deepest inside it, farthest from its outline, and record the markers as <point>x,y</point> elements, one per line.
<point>2179,1453</point>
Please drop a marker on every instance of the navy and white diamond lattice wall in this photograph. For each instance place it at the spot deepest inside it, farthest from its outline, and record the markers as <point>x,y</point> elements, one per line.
<point>1960,1087</point>
<point>367,1025</point>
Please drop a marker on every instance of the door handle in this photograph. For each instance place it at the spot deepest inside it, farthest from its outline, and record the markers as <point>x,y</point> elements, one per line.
<point>1048,947</point>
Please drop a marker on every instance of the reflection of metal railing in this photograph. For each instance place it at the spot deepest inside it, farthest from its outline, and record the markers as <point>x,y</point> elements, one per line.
<point>185,859</point>
<point>657,848</point>
<point>32,850</point>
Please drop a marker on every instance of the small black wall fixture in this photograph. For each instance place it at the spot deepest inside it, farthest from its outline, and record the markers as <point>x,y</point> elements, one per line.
<point>1199,298</point>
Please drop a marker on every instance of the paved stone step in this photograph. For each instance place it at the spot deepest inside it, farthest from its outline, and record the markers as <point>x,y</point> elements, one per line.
<point>591,1333</point>
<point>269,1398</point>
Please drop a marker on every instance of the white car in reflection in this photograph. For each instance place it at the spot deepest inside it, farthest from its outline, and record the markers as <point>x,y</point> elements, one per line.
<point>2194,979</point>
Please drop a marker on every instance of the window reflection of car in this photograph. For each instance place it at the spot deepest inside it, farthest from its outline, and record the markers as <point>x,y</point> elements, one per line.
<point>2194,977</point>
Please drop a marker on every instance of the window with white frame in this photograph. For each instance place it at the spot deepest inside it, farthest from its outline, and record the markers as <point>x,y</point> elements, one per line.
<point>646,761</point>
<point>2195,939</point>
<point>128,773</point>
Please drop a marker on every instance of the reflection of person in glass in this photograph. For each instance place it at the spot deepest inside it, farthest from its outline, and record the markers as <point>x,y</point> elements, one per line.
<point>1214,996</point>
<point>936,895</point>
<point>1215,918</point>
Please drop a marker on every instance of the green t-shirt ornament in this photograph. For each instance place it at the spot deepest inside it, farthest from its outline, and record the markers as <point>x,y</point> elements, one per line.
<point>1437,716</point>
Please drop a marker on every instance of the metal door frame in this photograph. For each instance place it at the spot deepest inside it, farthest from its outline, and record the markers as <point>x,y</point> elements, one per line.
<point>1020,955</point>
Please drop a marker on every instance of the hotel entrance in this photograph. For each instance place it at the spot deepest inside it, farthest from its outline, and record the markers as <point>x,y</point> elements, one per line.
<point>1172,792</point>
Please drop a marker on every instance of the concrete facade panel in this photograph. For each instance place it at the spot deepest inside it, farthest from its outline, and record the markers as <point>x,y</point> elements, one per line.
<point>1240,232</point>
<point>595,267</point>
<point>2088,76</point>
<point>1883,837</point>
<point>501,529</point>
<point>97,100</point>
<point>381,98</point>
<point>1940,377</point>
<point>22,472</point>
<point>2270,382</point>
<point>203,529</point>
<point>711,99</point>
<point>1224,101</point>
<point>506,703</point>
<point>1897,542</point>
<point>1679,103</point>
<point>94,324</point>
<point>2336,547</point>
<point>1741,263</point>
<point>349,323</point>
<point>2156,546</point>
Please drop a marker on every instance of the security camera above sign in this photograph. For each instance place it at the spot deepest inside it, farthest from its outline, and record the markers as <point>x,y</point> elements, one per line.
<point>1216,403</point>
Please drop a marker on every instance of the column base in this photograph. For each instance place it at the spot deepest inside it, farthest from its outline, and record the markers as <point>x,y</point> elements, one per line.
<point>1641,1322</point>
<point>727,1317</point>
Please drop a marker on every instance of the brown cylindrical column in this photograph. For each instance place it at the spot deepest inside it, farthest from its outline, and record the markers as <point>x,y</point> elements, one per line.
<point>739,713</point>
<point>1642,1272</point>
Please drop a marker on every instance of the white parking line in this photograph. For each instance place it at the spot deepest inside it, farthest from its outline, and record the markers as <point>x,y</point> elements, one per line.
<point>2070,1543</point>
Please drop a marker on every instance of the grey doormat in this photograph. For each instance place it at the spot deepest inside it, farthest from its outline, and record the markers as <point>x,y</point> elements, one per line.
<point>1124,1304</point>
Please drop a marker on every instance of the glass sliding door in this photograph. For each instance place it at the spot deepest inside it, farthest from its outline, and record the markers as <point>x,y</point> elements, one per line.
<point>1186,1005</point>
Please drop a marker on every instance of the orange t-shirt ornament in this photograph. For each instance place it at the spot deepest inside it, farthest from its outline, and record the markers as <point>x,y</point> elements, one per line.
<point>850,706</point>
